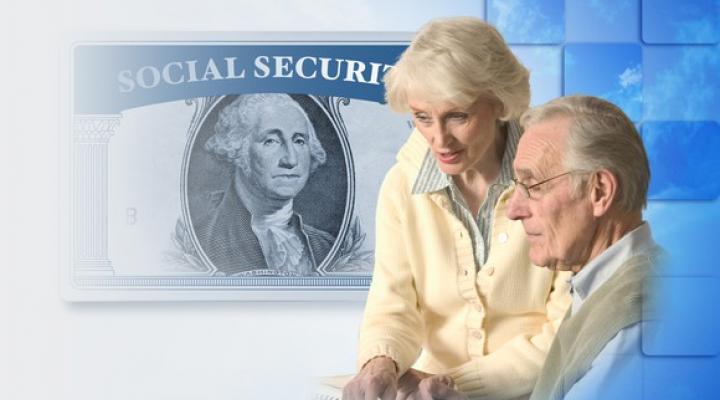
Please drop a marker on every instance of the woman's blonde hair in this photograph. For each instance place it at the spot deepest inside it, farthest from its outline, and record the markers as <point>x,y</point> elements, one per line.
<point>459,60</point>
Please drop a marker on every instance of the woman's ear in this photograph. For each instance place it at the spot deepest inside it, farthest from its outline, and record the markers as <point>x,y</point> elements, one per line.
<point>498,109</point>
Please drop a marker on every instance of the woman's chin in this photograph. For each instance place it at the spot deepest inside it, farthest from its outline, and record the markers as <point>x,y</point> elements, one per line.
<point>451,169</point>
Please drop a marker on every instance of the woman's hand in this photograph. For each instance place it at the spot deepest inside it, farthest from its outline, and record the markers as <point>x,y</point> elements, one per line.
<point>377,379</point>
<point>409,382</point>
<point>417,385</point>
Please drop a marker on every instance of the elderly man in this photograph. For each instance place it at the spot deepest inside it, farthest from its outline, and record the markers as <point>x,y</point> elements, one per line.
<point>581,184</point>
<point>253,228</point>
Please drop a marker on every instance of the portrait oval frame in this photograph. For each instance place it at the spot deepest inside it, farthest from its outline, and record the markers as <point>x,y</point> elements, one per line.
<point>323,107</point>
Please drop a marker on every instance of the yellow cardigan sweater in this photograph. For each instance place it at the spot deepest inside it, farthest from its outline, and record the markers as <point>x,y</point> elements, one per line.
<point>428,307</point>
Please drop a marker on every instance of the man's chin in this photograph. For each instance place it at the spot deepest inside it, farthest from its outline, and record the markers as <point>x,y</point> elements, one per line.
<point>279,197</point>
<point>283,195</point>
<point>557,266</point>
<point>544,262</point>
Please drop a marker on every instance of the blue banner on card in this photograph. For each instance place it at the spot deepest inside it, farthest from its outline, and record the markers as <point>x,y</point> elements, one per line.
<point>112,78</point>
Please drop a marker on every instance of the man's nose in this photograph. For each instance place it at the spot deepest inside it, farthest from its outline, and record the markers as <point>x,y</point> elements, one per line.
<point>289,156</point>
<point>517,206</point>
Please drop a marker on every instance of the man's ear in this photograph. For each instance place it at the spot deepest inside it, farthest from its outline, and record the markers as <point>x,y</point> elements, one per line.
<point>603,191</point>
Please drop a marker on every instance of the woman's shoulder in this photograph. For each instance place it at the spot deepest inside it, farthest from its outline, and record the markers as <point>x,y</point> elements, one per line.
<point>412,154</point>
<point>398,179</point>
<point>409,160</point>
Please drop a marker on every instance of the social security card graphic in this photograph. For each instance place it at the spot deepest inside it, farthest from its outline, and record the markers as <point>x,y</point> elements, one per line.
<point>229,168</point>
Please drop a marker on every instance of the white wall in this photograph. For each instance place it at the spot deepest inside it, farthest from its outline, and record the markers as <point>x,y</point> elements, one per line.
<point>50,349</point>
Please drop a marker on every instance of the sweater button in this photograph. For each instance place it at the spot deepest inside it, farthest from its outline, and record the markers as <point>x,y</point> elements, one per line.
<point>490,270</point>
<point>502,237</point>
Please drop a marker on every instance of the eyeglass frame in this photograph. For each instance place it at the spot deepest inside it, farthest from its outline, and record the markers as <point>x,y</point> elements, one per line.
<point>526,189</point>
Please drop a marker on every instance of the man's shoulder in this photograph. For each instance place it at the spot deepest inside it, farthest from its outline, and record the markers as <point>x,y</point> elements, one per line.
<point>224,217</point>
<point>320,242</point>
<point>215,198</point>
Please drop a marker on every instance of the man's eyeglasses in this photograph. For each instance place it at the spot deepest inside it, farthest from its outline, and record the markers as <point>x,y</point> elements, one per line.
<point>527,190</point>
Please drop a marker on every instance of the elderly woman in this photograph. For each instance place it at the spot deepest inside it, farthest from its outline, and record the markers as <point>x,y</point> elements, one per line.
<point>454,295</point>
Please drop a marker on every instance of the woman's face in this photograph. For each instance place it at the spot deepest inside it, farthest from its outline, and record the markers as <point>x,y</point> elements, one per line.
<point>458,137</point>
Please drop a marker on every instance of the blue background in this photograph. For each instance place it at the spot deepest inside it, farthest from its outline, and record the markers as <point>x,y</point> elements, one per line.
<point>659,61</point>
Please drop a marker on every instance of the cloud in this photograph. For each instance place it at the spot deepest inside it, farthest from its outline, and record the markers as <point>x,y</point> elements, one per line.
<point>631,76</point>
<point>628,95</point>
<point>703,30</point>
<point>685,89</point>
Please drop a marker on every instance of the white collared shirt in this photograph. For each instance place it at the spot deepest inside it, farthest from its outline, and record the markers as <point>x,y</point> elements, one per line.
<point>617,370</point>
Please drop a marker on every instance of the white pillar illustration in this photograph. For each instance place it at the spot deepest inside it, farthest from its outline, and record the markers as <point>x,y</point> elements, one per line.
<point>90,193</point>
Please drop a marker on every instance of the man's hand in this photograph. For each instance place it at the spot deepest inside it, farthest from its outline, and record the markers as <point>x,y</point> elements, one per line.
<point>417,385</point>
<point>377,379</point>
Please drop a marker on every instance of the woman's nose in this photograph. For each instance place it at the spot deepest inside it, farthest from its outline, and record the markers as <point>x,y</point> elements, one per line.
<point>440,135</point>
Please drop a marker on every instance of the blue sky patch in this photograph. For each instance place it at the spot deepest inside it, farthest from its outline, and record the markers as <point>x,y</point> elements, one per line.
<point>610,71</point>
<point>545,65</point>
<point>683,159</point>
<point>680,22</point>
<point>681,82</point>
<point>602,20</point>
<point>528,21</point>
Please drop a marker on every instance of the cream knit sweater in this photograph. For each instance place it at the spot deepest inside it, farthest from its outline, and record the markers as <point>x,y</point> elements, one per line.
<point>429,308</point>
<point>615,305</point>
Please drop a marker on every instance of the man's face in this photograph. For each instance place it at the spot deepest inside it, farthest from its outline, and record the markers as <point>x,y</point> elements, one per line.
<point>279,152</point>
<point>559,226</point>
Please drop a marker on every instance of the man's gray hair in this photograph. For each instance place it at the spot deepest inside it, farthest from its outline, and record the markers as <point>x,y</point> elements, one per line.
<point>239,119</point>
<point>600,136</point>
